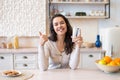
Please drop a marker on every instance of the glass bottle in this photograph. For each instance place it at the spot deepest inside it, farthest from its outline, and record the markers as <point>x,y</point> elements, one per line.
<point>98,42</point>
<point>16,42</point>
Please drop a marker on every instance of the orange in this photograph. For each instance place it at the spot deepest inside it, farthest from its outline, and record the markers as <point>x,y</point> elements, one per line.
<point>117,61</point>
<point>107,59</point>
<point>112,63</point>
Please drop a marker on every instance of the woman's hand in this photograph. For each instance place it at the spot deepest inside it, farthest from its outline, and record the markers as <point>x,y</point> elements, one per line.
<point>43,39</point>
<point>78,40</point>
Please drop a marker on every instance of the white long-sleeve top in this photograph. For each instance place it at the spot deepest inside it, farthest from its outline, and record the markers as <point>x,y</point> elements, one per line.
<point>49,57</point>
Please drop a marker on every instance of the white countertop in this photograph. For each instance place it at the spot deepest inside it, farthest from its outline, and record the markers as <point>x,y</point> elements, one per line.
<point>79,74</point>
<point>20,50</point>
<point>35,50</point>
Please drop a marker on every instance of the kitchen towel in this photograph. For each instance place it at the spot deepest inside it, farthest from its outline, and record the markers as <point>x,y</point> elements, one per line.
<point>111,41</point>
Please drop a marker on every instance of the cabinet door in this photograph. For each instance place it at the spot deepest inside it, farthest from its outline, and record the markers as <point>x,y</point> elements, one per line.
<point>6,61</point>
<point>87,60</point>
<point>25,61</point>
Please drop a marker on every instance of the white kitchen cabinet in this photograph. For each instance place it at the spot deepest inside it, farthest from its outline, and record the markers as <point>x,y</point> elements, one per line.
<point>25,61</point>
<point>87,59</point>
<point>28,58</point>
<point>6,61</point>
<point>23,58</point>
<point>93,9</point>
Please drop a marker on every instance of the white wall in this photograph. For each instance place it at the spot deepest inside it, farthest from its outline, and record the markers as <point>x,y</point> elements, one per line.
<point>115,16</point>
<point>22,17</point>
<point>27,17</point>
<point>88,28</point>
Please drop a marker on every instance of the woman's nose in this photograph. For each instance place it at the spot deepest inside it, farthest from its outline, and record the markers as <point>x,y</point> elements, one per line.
<point>59,25</point>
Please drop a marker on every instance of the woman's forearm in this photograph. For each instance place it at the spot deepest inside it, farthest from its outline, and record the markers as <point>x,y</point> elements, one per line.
<point>42,62</point>
<point>75,58</point>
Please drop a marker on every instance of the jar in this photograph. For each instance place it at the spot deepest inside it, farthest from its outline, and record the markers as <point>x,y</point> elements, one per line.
<point>3,45</point>
<point>9,45</point>
<point>9,42</point>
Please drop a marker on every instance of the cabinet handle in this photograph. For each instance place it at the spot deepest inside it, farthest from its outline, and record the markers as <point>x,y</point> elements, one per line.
<point>90,55</point>
<point>1,57</point>
<point>25,57</point>
<point>25,65</point>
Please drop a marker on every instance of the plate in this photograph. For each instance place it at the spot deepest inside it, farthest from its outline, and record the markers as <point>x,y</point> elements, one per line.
<point>12,73</point>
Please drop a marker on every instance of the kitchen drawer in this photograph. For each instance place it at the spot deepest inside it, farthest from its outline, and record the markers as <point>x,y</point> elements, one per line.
<point>25,57</point>
<point>18,59</point>
<point>87,60</point>
<point>25,66</point>
<point>6,61</point>
<point>6,57</point>
<point>25,61</point>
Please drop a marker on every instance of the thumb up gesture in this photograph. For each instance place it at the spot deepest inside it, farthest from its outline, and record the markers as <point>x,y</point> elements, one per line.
<point>43,39</point>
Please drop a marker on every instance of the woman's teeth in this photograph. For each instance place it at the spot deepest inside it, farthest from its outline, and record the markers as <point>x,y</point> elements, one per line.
<point>60,29</point>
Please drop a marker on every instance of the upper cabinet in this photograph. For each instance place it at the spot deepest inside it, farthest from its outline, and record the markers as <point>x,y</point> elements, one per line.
<point>80,8</point>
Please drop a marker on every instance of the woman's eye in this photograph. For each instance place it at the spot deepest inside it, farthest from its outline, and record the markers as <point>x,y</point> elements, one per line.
<point>55,24</point>
<point>62,22</point>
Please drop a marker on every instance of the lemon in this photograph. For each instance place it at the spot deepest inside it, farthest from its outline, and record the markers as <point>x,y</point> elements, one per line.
<point>103,62</point>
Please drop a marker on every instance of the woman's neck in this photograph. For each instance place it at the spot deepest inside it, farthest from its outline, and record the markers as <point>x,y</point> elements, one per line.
<point>60,39</point>
<point>60,43</point>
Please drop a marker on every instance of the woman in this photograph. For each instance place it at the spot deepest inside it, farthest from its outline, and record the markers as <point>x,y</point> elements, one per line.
<point>59,50</point>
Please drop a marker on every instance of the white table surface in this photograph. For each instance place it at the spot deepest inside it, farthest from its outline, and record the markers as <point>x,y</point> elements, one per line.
<point>25,75</point>
<point>66,74</point>
<point>79,74</point>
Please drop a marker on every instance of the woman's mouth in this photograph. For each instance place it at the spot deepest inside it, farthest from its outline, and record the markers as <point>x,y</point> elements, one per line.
<point>60,29</point>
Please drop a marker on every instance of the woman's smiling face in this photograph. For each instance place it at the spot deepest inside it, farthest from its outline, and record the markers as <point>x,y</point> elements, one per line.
<point>59,26</point>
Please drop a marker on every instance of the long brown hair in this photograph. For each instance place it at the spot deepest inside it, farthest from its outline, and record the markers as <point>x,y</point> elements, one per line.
<point>68,40</point>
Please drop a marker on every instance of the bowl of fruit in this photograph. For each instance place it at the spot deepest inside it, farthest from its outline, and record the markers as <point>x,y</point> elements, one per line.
<point>108,64</point>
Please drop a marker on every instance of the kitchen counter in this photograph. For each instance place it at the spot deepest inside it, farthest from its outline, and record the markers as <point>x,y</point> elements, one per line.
<point>20,50</point>
<point>35,50</point>
<point>79,74</point>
